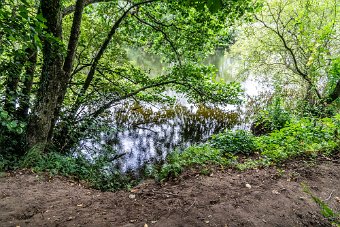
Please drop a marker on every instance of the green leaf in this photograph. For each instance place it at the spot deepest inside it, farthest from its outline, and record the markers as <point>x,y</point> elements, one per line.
<point>41,18</point>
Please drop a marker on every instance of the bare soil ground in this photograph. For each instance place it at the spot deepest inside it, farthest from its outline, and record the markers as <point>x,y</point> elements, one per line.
<point>223,199</point>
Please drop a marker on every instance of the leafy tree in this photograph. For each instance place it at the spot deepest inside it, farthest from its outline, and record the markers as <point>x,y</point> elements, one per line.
<point>296,43</point>
<point>71,63</point>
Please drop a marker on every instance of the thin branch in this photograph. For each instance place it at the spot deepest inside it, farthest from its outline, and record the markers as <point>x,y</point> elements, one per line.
<point>72,8</point>
<point>79,68</point>
<point>166,37</point>
<point>129,95</point>
<point>292,54</point>
<point>101,51</point>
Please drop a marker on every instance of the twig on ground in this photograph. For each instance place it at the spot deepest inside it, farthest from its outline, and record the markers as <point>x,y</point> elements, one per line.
<point>330,195</point>
<point>186,210</point>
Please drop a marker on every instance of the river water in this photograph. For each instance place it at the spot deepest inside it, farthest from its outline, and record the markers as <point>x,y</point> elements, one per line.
<point>143,133</point>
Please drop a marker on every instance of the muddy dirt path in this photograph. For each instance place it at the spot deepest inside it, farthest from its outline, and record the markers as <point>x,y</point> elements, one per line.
<point>265,197</point>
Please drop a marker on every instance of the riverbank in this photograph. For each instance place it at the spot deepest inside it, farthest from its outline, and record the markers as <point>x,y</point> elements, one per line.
<point>260,197</point>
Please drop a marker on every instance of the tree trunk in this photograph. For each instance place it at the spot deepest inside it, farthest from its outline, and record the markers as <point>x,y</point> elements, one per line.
<point>12,81</point>
<point>55,73</point>
<point>22,112</point>
<point>46,102</point>
<point>68,64</point>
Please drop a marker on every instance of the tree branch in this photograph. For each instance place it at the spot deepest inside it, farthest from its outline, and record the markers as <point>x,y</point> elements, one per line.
<point>166,37</point>
<point>74,36</point>
<point>72,8</point>
<point>131,94</point>
<point>292,54</point>
<point>101,51</point>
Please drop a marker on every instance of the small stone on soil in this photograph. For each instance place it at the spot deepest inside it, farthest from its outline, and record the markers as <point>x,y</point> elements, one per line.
<point>69,218</point>
<point>337,199</point>
<point>275,192</point>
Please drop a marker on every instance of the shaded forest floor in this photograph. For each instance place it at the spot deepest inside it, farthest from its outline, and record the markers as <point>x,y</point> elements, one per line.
<point>264,197</point>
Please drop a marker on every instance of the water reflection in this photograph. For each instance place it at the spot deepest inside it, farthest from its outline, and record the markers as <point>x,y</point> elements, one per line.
<point>144,133</point>
<point>147,134</point>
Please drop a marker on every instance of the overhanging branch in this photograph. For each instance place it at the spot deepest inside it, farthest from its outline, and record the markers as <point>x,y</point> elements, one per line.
<point>291,53</point>
<point>101,51</point>
<point>165,35</point>
<point>129,95</point>
<point>70,9</point>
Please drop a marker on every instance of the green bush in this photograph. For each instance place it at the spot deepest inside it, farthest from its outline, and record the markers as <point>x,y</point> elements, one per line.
<point>270,119</point>
<point>98,173</point>
<point>11,134</point>
<point>305,136</point>
<point>199,155</point>
<point>317,109</point>
<point>234,142</point>
<point>300,137</point>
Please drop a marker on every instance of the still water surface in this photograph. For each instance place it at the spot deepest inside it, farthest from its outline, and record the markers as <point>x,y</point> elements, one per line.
<point>145,133</point>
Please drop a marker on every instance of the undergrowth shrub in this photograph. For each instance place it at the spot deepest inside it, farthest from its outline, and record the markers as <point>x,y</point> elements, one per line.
<point>234,142</point>
<point>98,173</point>
<point>199,155</point>
<point>11,134</point>
<point>319,109</point>
<point>274,117</point>
<point>305,136</point>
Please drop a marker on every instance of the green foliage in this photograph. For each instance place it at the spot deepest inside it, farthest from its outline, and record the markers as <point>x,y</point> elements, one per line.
<point>274,117</point>
<point>10,124</point>
<point>98,172</point>
<point>197,82</point>
<point>234,142</point>
<point>292,45</point>
<point>318,109</point>
<point>332,216</point>
<point>11,134</point>
<point>223,5</point>
<point>305,136</point>
<point>201,155</point>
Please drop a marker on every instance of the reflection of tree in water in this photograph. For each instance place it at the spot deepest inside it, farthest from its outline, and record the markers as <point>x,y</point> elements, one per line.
<point>148,135</point>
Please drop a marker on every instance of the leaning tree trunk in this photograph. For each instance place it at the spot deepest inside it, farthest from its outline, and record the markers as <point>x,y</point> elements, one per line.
<point>68,64</point>
<point>55,75</point>
<point>43,112</point>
